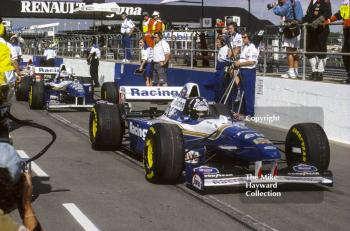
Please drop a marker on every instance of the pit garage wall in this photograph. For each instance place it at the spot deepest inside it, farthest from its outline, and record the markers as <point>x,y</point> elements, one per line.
<point>306,101</point>
<point>293,100</point>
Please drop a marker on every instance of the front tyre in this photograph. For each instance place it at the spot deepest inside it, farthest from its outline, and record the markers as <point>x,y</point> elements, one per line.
<point>109,92</point>
<point>37,95</point>
<point>308,143</point>
<point>163,155</point>
<point>106,127</point>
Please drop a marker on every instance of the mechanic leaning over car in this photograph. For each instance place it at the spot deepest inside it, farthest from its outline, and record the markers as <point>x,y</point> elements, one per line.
<point>344,14</point>
<point>161,58</point>
<point>317,35</point>
<point>93,61</point>
<point>247,67</point>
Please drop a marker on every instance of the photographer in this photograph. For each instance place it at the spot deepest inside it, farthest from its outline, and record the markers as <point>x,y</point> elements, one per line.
<point>15,191</point>
<point>233,38</point>
<point>317,35</point>
<point>292,12</point>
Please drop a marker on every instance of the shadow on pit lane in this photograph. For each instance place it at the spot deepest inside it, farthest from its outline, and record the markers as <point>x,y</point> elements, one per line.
<point>41,187</point>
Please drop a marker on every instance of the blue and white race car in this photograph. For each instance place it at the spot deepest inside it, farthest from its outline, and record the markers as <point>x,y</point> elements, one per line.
<point>205,142</point>
<point>62,91</point>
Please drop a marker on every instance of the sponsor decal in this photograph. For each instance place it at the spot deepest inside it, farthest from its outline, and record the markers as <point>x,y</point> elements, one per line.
<point>304,168</point>
<point>157,92</point>
<point>137,131</point>
<point>197,182</point>
<point>179,104</point>
<point>216,176</point>
<point>69,7</point>
<point>192,157</point>
<point>226,181</point>
<point>270,148</point>
<point>206,170</point>
<point>261,141</point>
<point>46,70</point>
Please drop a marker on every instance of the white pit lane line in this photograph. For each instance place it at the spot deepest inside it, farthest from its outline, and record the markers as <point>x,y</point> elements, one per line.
<point>210,200</point>
<point>36,169</point>
<point>80,217</point>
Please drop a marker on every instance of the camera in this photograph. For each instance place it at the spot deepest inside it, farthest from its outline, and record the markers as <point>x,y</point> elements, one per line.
<point>272,5</point>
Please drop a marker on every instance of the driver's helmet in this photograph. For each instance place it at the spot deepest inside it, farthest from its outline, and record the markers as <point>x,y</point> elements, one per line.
<point>64,75</point>
<point>198,107</point>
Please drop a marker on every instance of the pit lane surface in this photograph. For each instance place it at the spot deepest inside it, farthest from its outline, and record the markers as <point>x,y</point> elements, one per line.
<point>112,192</point>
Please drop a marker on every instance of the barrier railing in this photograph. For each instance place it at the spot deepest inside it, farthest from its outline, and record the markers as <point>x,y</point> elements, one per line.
<point>197,48</point>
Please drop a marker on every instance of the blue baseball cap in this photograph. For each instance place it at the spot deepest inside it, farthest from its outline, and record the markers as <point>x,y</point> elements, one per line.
<point>10,159</point>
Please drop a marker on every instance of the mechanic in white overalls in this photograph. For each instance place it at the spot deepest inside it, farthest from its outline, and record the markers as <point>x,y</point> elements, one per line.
<point>247,67</point>
<point>126,29</point>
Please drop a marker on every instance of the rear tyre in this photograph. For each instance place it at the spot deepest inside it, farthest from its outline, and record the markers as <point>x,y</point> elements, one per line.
<point>37,95</point>
<point>308,143</point>
<point>106,128</point>
<point>109,92</point>
<point>22,91</point>
<point>163,155</point>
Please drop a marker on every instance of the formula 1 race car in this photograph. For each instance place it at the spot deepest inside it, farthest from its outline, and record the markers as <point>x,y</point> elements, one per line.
<point>204,140</point>
<point>32,74</point>
<point>63,91</point>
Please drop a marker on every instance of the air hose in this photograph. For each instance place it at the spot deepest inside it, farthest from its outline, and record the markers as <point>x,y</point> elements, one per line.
<point>38,126</point>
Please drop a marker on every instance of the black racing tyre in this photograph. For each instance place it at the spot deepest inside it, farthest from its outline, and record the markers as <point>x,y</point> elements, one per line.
<point>110,93</point>
<point>163,155</point>
<point>308,143</point>
<point>106,127</point>
<point>219,109</point>
<point>37,95</point>
<point>22,90</point>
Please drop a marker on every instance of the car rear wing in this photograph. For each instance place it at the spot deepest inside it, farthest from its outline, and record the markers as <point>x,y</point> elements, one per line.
<point>148,94</point>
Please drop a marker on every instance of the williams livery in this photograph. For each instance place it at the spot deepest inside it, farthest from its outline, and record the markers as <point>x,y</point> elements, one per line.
<point>61,91</point>
<point>203,141</point>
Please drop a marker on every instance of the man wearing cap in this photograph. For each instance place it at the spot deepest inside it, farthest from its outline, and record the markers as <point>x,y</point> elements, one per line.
<point>158,25</point>
<point>147,25</point>
<point>16,191</point>
<point>127,28</point>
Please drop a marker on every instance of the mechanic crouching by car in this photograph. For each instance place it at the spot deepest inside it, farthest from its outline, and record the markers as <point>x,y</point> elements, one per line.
<point>161,58</point>
<point>247,67</point>
<point>317,36</point>
<point>344,14</point>
<point>15,192</point>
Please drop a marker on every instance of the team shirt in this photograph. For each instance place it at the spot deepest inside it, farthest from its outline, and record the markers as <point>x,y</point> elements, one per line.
<point>127,26</point>
<point>97,51</point>
<point>223,53</point>
<point>147,54</point>
<point>249,53</point>
<point>236,40</point>
<point>160,49</point>
<point>14,54</point>
<point>49,54</point>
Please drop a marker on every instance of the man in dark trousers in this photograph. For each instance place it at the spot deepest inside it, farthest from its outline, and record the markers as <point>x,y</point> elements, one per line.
<point>317,35</point>
<point>93,61</point>
<point>344,14</point>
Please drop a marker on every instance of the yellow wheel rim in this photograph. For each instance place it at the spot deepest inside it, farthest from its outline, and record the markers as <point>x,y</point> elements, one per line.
<point>149,153</point>
<point>30,95</point>
<point>150,162</point>
<point>94,123</point>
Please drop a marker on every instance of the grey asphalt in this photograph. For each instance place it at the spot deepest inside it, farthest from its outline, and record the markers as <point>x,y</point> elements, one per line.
<point>112,191</point>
